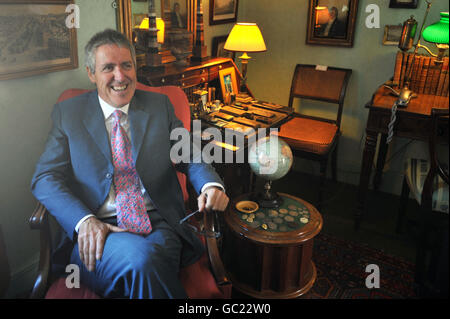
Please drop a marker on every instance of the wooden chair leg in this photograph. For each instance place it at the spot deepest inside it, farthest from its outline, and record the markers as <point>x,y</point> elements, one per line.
<point>381,160</point>
<point>403,205</point>
<point>322,178</point>
<point>423,251</point>
<point>334,164</point>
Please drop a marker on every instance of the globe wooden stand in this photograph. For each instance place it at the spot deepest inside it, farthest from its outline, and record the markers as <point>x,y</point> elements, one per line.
<point>268,198</point>
<point>265,264</point>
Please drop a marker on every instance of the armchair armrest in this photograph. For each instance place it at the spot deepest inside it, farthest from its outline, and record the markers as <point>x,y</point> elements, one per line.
<point>215,260</point>
<point>39,221</point>
<point>39,218</point>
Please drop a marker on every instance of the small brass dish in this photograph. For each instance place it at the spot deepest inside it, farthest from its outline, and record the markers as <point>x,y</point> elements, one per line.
<point>247,206</point>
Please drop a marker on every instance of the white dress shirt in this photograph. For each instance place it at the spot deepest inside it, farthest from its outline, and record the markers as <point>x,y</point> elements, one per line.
<point>108,209</point>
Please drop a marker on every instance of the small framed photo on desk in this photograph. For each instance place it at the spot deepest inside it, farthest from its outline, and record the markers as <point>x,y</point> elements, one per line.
<point>228,81</point>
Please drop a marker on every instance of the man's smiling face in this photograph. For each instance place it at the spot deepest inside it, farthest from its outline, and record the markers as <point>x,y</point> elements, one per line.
<point>115,74</point>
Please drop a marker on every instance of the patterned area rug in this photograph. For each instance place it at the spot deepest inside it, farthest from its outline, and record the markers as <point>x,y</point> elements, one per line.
<point>341,272</point>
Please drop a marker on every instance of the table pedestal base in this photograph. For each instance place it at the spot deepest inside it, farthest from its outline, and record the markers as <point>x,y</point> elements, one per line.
<point>271,294</point>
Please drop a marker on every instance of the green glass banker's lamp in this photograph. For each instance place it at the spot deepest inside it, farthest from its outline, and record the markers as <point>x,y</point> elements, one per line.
<point>437,33</point>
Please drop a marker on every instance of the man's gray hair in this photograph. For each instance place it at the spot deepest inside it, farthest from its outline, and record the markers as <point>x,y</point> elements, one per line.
<point>107,36</point>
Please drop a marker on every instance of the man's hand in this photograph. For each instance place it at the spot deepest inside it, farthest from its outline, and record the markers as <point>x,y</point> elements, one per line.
<point>91,240</point>
<point>212,198</point>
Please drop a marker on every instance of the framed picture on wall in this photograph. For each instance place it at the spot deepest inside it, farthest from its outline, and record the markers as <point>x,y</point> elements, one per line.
<point>217,49</point>
<point>331,22</point>
<point>392,34</point>
<point>35,38</point>
<point>228,82</point>
<point>222,11</point>
<point>403,4</point>
<point>137,19</point>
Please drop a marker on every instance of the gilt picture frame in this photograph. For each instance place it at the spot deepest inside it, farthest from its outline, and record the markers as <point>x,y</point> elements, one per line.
<point>36,37</point>
<point>228,82</point>
<point>331,22</point>
<point>392,34</point>
<point>223,11</point>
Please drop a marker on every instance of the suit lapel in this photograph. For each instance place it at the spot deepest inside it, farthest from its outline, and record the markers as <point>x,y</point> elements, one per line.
<point>138,120</point>
<point>94,120</point>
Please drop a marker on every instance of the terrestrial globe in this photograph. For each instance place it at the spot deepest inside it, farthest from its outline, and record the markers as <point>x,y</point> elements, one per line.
<point>270,158</point>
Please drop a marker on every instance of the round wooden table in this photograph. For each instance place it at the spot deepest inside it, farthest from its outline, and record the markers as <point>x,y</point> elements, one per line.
<point>267,253</point>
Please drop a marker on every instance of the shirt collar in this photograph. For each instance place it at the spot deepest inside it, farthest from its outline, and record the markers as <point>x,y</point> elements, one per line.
<point>108,109</point>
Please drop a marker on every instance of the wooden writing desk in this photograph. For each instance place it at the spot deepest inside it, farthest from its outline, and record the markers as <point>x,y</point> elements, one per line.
<point>412,122</point>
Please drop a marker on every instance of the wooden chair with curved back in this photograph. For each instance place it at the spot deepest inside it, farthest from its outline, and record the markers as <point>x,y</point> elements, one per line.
<point>315,137</point>
<point>204,279</point>
<point>428,180</point>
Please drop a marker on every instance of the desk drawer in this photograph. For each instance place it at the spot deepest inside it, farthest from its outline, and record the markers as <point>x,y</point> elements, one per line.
<point>193,73</point>
<point>408,126</point>
<point>191,81</point>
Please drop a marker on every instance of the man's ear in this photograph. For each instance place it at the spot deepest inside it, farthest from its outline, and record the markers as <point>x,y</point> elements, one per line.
<point>90,75</point>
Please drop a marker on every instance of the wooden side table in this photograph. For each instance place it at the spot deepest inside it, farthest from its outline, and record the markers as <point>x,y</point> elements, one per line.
<point>267,253</point>
<point>412,122</point>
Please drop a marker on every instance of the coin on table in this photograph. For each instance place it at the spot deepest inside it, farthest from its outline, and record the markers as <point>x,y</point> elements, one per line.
<point>289,218</point>
<point>283,210</point>
<point>260,215</point>
<point>278,220</point>
<point>252,216</point>
<point>292,207</point>
<point>273,213</point>
<point>264,226</point>
<point>272,226</point>
<point>250,220</point>
<point>304,220</point>
<point>293,213</point>
<point>244,216</point>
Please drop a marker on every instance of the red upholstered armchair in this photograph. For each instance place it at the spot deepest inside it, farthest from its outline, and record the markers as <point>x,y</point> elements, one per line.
<point>204,279</point>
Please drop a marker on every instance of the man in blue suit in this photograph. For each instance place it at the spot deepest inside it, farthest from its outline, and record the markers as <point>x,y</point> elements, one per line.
<point>75,180</point>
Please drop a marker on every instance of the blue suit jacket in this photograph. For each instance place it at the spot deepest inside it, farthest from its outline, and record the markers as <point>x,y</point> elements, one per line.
<point>74,174</point>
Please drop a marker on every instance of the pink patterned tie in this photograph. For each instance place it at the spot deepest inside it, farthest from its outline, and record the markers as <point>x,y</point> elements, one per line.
<point>130,206</point>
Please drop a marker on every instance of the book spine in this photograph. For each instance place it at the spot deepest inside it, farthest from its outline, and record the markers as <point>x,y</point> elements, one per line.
<point>445,87</point>
<point>442,75</point>
<point>403,69</point>
<point>413,83</point>
<point>409,66</point>
<point>423,75</point>
<point>432,77</point>
<point>398,68</point>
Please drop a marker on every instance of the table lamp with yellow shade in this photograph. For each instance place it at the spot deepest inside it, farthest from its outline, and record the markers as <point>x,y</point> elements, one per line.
<point>246,38</point>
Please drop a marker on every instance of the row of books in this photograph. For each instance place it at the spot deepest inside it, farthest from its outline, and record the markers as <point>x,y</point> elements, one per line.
<point>426,77</point>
